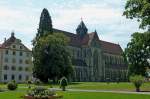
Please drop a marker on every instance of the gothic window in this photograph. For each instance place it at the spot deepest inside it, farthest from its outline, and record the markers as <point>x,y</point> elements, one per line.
<point>84,52</point>
<point>95,61</point>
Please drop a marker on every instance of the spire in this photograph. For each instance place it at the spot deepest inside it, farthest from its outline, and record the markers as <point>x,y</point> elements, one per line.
<point>81,29</point>
<point>12,34</point>
<point>95,31</point>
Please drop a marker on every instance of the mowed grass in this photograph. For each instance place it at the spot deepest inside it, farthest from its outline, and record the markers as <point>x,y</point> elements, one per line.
<point>78,95</point>
<point>96,95</point>
<point>123,86</point>
<point>22,88</point>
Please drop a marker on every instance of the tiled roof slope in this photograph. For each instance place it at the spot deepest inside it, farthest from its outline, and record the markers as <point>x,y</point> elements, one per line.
<point>111,47</point>
<point>107,47</point>
<point>7,43</point>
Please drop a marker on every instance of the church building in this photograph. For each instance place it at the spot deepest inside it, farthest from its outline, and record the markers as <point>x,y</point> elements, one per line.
<point>94,59</point>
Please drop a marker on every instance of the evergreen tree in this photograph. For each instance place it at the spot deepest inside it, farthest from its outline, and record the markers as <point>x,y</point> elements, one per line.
<point>45,25</point>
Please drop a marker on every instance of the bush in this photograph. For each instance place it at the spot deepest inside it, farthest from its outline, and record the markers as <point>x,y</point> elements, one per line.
<point>137,80</point>
<point>12,85</point>
<point>63,83</point>
<point>37,82</point>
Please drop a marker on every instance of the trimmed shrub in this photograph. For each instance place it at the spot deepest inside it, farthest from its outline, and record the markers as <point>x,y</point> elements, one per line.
<point>63,83</point>
<point>12,85</point>
<point>137,80</point>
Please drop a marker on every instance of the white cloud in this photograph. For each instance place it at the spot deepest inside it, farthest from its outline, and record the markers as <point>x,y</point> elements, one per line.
<point>104,15</point>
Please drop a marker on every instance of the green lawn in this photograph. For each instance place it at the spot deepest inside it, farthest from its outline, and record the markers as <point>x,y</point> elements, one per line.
<point>110,86</point>
<point>94,95</point>
<point>85,95</point>
<point>78,95</point>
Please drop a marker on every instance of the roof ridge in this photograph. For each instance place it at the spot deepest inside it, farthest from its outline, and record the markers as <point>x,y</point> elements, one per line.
<point>109,42</point>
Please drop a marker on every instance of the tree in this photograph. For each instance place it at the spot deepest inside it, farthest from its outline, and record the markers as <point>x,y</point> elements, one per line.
<point>51,58</point>
<point>63,83</point>
<point>139,9</point>
<point>137,80</point>
<point>45,25</point>
<point>137,53</point>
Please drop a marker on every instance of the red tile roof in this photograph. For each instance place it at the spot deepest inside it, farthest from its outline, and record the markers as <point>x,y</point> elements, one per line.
<point>8,42</point>
<point>107,47</point>
<point>111,47</point>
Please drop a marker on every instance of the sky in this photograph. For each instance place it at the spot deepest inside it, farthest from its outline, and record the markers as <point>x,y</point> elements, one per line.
<point>105,16</point>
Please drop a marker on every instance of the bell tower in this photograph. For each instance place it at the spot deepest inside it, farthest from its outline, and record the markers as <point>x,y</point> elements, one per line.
<point>81,29</point>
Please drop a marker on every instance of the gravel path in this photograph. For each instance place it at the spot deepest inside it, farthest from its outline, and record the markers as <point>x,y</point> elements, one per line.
<point>125,92</point>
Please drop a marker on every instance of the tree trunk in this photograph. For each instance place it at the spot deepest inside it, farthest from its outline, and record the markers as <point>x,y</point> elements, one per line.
<point>137,89</point>
<point>63,88</point>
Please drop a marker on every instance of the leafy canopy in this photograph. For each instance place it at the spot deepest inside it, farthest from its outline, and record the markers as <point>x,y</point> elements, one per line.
<point>51,57</point>
<point>139,9</point>
<point>137,53</point>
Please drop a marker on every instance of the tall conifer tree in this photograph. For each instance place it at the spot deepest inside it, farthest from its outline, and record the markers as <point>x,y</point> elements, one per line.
<point>45,25</point>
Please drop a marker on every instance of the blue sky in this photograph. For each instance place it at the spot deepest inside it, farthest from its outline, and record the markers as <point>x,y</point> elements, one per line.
<point>22,16</point>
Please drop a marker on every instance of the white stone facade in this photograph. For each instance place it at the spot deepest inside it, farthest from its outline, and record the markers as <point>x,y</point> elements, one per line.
<point>15,61</point>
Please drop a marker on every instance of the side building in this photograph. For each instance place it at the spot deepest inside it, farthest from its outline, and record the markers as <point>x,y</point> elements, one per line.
<point>15,61</point>
<point>94,59</point>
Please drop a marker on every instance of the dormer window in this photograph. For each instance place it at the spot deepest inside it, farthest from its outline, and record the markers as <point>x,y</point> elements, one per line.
<point>20,47</point>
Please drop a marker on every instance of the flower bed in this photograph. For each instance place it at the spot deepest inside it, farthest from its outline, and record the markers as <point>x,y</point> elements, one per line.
<point>41,93</point>
<point>42,97</point>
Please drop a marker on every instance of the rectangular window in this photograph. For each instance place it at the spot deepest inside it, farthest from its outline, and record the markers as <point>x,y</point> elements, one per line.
<point>20,61</point>
<point>27,77</point>
<point>12,77</point>
<point>20,53</point>
<point>20,77</point>
<point>26,62</point>
<point>27,54</point>
<point>6,52</point>
<point>5,77</point>
<point>13,60</point>
<point>6,59</point>
<point>14,53</point>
